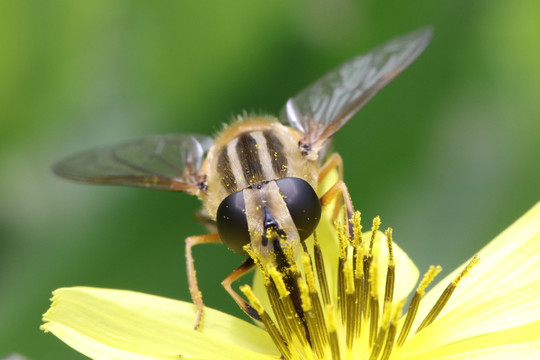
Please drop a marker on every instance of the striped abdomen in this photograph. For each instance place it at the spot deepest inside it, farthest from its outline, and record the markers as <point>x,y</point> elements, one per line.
<point>249,158</point>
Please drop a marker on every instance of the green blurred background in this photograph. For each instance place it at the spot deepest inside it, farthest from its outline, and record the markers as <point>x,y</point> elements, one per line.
<point>448,154</point>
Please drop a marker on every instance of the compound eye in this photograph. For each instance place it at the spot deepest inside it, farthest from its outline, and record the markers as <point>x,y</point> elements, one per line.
<point>232,222</point>
<point>303,204</point>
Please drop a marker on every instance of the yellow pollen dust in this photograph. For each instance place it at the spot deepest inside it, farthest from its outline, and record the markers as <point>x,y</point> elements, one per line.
<point>359,318</point>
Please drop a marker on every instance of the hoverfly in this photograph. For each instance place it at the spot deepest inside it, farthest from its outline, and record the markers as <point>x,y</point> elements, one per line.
<point>256,178</point>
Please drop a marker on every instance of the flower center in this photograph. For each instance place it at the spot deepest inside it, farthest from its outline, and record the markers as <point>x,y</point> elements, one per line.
<point>309,319</point>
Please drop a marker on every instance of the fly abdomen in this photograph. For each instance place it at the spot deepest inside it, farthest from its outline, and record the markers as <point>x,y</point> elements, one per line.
<point>250,158</point>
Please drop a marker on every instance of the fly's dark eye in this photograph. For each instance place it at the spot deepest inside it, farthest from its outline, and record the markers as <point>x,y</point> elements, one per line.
<point>303,204</point>
<point>232,222</point>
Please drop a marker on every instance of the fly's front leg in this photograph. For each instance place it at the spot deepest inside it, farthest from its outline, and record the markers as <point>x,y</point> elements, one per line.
<point>334,162</point>
<point>196,295</point>
<point>332,194</point>
<point>243,269</point>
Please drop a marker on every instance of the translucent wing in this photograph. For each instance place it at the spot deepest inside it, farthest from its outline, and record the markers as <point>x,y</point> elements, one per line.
<point>166,162</point>
<point>324,107</point>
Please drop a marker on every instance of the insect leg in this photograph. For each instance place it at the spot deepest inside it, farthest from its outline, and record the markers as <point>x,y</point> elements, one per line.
<point>246,266</point>
<point>336,190</point>
<point>333,162</point>
<point>196,295</point>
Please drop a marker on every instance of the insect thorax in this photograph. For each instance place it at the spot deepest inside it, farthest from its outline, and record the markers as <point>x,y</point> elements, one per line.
<point>251,150</point>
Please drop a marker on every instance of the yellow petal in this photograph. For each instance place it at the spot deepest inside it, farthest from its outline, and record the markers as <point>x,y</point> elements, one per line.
<point>516,343</point>
<point>116,324</point>
<point>502,292</point>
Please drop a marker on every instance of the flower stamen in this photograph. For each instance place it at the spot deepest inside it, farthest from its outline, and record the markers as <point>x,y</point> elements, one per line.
<point>332,332</point>
<point>445,296</point>
<point>321,273</point>
<point>429,276</point>
<point>357,228</point>
<point>373,310</point>
<point>360,320</point>
<point>267,321</point>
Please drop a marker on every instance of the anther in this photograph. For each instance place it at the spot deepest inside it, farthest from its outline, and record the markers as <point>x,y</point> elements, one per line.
<point>308,270</point>
<point>374,229</point>
<point>255,303</point>
<point>304,295</point>
<point>341,231</point>
<point>357,228</point>
<point>278,280</point>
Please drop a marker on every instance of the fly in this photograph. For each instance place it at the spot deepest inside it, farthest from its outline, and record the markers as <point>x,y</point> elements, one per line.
<point>257,178</point>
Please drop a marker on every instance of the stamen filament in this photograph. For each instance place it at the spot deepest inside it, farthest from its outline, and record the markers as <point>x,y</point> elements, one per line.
<point>379,342</point>
<point>374,302</point>
<point>341,287</point>
<point>320,322</point>
<point>332,332</point>
<point>389,343</point>
<point>354,320</point>
<point>447,293</point>
<point>359,303</point>
<point>415,302</point>
<point>374,319</point>
<point>391,270</point>
<point>279,311</point>
<point>367,284</point>
<point>321,273</point>
<point>267,321</point>
<point>343,242</point>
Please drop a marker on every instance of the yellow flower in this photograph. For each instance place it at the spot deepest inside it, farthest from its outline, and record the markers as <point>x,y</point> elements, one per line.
<point>350,307</point>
